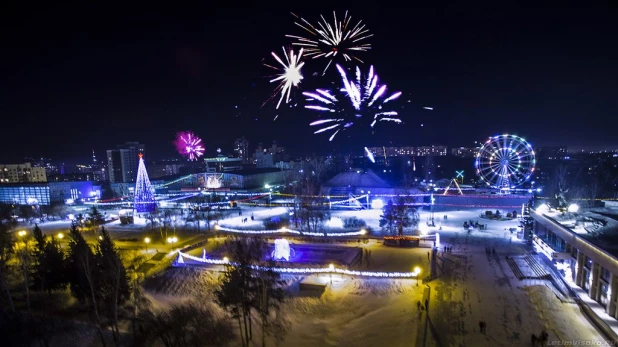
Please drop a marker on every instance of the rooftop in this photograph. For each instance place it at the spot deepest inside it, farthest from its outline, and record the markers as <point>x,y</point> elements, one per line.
<point>359,179</point>
<point>597,225</point>
<point>242,172</point>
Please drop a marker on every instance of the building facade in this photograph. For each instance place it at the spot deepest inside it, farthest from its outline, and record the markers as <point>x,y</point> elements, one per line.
<point>266,157</point>
<point>421,151</point>
<point>164,168</point>
<point>122,162</point>
<point>584,264</point>
<point>551,153</point>
<point>465,152</point>
<point>22,173</point>
<point>223,164</point>
<point>241,149</point>
<point>48,193</point>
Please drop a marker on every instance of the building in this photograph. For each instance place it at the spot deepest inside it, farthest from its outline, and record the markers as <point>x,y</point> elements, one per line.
<point>48,193</point>
<point>266,157</point>
<point>233,180</point>
<point>122,162</point>
<point>223,164</point>
<point>421,151</point>
<point>582,247</point>
<point>551,153</point>
<point>164,168</point>
<point>241,148</point>
<point>21,173</point>
<point>72,177</point>
<point>465,152</point>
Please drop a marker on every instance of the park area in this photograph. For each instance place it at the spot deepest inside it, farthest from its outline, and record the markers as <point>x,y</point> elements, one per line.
<point>469,283</point>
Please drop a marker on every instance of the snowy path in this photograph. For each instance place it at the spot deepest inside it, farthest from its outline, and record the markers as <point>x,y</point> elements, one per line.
<point>483,287</point>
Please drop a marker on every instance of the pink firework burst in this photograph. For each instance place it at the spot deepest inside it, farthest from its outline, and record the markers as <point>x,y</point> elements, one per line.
<point>189,145</point>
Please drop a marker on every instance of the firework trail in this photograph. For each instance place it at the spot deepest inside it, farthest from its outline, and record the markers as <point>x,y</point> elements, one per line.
<point>366,97</point>
<point>189,145</point>
<point>339,41</point>
<point>289,73</point>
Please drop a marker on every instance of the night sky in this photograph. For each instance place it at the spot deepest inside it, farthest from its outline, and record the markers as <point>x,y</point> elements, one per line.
<point>77,78</point>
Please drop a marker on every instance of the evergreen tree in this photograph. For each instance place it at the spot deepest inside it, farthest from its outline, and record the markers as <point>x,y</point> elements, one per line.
<point>49,267</point>
<point>114,287</point>
<point>37,233</point>
<point>96,218</point>
<point>40,266</point>
<point>55,276</point>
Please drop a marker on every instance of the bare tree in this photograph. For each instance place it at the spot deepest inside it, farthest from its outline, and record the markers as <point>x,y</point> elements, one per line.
<point>139,301</point>
<point>186,325</point>
<point>25,257</point>
<point>318,165</point>
<point>114,287</point>
<point>312,210</point>
<point>83,281</point>
<point>269,298</point>
<point>6,251</point>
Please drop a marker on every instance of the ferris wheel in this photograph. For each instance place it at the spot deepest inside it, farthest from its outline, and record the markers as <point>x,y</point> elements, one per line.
<point>505,161</point>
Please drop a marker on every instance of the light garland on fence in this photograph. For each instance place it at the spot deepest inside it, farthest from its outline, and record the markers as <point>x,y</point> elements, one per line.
<point>291,270</point>
<point>290,231</point>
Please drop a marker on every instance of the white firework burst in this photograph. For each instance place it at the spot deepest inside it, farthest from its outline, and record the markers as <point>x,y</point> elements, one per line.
<point>337,41</point>
<point>366,97</point>
<point>290,73</point>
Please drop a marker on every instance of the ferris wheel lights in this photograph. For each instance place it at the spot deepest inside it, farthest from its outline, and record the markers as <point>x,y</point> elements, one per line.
<point>505,161</point>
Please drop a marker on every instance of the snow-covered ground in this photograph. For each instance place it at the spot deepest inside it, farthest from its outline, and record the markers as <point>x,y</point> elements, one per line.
<point>471,286</point>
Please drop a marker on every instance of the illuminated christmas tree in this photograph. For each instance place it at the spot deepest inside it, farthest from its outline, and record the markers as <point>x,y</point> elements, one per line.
<point>144,192</point>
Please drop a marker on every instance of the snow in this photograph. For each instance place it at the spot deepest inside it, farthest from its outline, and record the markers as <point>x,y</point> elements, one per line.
<point>471,286</point>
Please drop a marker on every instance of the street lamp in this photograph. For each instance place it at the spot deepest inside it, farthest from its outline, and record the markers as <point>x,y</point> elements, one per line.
<point>147,241</point>
<point>60,236</point>
<point>417,272</point>
<point>226,260</point>
<point>22,233</point>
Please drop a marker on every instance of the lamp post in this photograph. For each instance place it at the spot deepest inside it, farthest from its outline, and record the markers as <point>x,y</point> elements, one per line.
<point>147,241</point>
<point>417,272</point>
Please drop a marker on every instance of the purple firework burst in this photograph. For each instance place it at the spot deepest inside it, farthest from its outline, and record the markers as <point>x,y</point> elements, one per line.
<point>365,100</point>
<point>189,145</point>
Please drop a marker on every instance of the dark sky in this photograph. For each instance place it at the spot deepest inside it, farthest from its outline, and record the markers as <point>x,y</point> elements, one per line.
<point>77,78</point>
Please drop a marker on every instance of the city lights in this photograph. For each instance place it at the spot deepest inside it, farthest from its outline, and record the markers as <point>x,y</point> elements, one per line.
<point>309,270</point>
